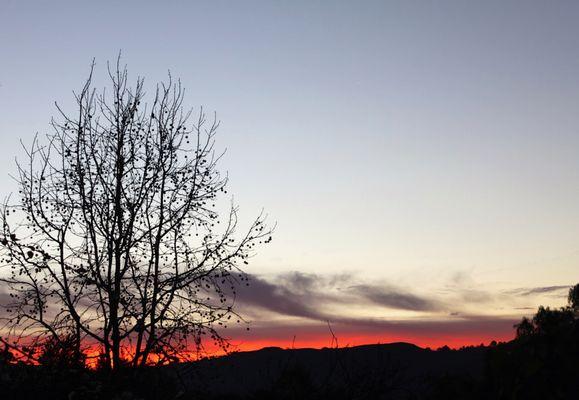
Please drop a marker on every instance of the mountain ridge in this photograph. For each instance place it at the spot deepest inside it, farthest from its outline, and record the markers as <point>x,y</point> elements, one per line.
<point>398,366</point>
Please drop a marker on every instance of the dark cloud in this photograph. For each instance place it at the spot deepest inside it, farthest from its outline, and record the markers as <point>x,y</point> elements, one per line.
<point>5,301</point>
<point>475,296</point>
<point>310,295</point>
<point>547,289</point>
<point>5,298</point>
<point>393,298</point>
<point>538,290</point>
<point>469,326</point>
<point>298,281</point>
<point>293,299</point>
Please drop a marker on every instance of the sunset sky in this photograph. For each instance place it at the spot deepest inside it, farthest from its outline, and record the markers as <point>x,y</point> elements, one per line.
<point>421,159</point>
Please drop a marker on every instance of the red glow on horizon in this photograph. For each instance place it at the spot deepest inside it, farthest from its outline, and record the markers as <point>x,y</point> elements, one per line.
<point>351,340</point>
<point>318,337</point>
<point>319,341</point>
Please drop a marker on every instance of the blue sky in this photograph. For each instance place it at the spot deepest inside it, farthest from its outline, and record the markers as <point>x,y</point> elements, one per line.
<point>427,146</point>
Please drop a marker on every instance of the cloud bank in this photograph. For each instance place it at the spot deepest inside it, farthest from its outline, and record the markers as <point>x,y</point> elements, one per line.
<point>315,297</point>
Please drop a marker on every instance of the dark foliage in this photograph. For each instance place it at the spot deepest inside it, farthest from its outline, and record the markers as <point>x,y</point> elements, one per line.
<point>22,382</point>
<point>62,352</point>
<point>573,298</point>
<point>540,363</point>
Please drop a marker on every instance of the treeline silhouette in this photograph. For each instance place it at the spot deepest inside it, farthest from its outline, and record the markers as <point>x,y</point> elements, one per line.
<point>539,363</point>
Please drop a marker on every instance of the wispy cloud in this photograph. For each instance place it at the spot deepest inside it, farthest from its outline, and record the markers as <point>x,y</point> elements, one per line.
<point>313,296</point>
<point>295,297</point>
<point>395,298</point>
<point>335,298</point>
<point>538,290</point>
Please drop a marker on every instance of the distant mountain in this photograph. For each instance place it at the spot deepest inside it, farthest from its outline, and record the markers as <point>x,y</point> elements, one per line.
<point>541,363</point>
<point>396,370</point>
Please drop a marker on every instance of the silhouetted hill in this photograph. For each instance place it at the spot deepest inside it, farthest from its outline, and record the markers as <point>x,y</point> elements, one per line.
<point>398,370</point>
<point>539,364</point>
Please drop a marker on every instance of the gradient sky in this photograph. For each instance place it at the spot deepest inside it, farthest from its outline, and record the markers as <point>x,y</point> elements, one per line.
<point>422,149</point>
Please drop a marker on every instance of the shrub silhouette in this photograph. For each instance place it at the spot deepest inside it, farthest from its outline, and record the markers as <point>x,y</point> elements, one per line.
<point>63,352</point>
<point>525,328</point>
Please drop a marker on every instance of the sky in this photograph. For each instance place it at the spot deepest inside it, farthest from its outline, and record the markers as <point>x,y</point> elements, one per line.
<point>419,158</point>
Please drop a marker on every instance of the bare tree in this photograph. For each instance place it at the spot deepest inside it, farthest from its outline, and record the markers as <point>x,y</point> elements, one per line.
<point>116,238</point>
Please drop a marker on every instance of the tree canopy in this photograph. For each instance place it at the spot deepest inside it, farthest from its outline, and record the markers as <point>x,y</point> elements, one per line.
<point>116,239</point>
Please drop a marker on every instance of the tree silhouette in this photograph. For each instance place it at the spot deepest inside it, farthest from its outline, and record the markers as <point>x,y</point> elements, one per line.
<point>62,352</point>
<point>116,235</point>
<point>541,363</point>
<point>524,328</point>
<point>547,320</point>
<point>573,298</point>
